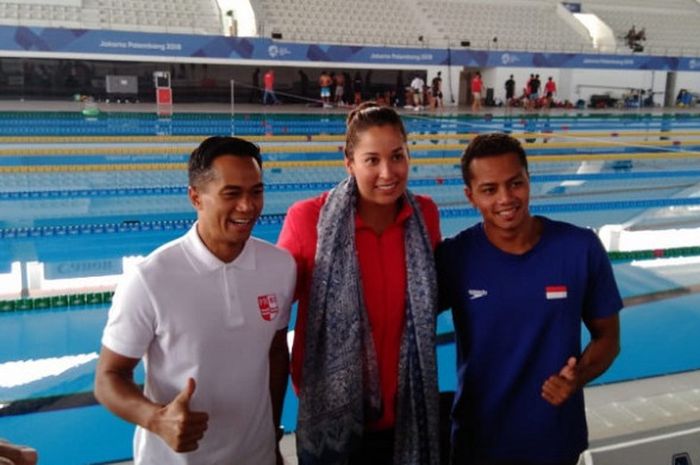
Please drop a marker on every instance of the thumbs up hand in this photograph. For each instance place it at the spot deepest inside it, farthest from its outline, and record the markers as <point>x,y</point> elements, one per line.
<point>569,370</point>
<point>558,388</point>
<point>177,425</point>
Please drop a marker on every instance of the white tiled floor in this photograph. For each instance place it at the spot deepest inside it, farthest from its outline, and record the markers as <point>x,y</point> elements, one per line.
<point>639,407</point>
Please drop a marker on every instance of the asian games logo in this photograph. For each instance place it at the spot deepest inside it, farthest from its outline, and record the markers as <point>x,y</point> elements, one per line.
<point>276,51</point>
<point>508,59</point>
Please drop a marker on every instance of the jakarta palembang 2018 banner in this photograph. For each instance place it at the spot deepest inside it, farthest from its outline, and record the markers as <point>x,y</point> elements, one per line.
<point>90,43</point>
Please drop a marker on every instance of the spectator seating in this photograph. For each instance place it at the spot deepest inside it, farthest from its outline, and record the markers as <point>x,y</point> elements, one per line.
<point>666,4</point>
<point>671,30</point>
<point>385,22</point>
<point>65,13</point>
<point>517,26</point>
<point>671,27</point>
<point>170,16</point>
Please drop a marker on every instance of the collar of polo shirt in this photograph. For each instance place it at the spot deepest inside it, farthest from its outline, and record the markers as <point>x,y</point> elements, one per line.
<point>204,260</point>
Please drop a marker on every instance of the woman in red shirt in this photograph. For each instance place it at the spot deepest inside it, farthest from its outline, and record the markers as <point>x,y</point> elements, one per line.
<point>363,358</point>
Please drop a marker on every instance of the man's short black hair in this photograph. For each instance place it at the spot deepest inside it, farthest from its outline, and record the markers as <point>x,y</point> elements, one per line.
<point>199,166</point>
<point>490,145</point>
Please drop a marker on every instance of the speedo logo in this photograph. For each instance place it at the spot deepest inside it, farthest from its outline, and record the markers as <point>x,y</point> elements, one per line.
<point>477,293</point>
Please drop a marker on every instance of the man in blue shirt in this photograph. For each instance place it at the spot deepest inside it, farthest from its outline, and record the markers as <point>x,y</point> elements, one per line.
<point>519,287</point>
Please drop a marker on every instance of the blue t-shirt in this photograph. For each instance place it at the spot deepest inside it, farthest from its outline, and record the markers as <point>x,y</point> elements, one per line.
<point>517,321</point>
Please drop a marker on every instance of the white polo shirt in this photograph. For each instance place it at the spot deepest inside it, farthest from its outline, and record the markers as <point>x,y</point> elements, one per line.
<point>191,315</point>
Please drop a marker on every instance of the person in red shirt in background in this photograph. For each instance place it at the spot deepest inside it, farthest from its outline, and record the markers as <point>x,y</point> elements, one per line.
<point>550,88</point>
<point>363,358</point>
<point>477,87</point>
<point>269,84</point>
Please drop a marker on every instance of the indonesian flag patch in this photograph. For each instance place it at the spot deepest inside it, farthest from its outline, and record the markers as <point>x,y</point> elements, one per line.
<point>555,292</point>
<point>268,306</point>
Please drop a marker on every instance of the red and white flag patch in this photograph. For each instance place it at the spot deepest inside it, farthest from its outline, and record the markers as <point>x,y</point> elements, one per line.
<point>268,306</point>
<point>555,292</point>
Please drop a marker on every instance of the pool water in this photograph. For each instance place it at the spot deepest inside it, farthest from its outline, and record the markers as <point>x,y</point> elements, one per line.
<point>103,200</point>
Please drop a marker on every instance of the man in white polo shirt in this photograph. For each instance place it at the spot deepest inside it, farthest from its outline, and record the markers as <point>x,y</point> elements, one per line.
<point>208,313</point>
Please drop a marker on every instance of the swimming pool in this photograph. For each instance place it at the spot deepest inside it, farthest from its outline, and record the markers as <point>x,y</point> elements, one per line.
<point>114,189</point>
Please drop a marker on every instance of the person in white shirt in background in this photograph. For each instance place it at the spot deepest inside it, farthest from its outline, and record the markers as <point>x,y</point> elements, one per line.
<point>417,85</point>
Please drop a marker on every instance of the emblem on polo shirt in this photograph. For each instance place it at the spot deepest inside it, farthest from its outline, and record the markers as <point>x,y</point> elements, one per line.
<point>268,306</point>
<point>555,292</point>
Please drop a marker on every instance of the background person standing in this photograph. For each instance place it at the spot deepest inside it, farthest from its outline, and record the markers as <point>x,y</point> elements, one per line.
<point>269,83</point>
<point>477,86</point>
<point>417,85</point>
<point>550,89</point>
<point>436,90</point>
<point>510,90</point>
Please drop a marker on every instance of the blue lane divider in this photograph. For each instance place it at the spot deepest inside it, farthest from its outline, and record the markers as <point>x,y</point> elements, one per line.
<point>583,206</point>
<point>126,226</point>
<point>325,185</point>
<point>614,176</point>
<point>245,124</point>
<point>310,130</point>
<point>277,219</point>
<point>93,193</point>
<point>433,152</point>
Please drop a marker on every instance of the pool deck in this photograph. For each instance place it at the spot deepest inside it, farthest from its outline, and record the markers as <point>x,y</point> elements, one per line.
<point>634,409</point>
<point>621,412</point>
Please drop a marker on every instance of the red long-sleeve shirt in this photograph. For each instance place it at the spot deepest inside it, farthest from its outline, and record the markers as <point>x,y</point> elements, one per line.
<point>382,263</point>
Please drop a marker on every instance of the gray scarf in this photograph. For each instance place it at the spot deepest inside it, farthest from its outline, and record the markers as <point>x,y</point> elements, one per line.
<point>340,382</point>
